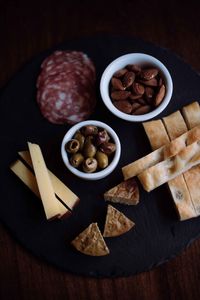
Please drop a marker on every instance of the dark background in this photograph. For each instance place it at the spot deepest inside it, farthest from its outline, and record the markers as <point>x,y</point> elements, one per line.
<point>26,29</point>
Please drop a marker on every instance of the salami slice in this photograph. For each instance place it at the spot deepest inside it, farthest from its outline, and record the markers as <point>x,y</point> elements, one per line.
<point>66,87</point>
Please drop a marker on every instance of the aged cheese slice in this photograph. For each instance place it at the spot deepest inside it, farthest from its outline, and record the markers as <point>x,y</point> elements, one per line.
<point>169,150</point>
<point>50,203</point>
<point>61,190</point>
<point>171,167</point>
<point>181,197</point>
<point>156,133</point>
<point>175,125</point>
<point>191,114</point>
<point>28,178</point>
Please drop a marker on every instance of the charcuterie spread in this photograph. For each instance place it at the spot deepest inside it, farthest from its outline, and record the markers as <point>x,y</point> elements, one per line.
<point>66,94</point>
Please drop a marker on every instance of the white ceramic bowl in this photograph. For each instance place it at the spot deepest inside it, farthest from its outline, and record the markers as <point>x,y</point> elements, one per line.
<point>96,175</point>
<point>141,60</point>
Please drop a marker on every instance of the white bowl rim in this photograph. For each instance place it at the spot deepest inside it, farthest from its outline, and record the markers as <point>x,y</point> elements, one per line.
<point>96,175</point>
<point>104,83</point>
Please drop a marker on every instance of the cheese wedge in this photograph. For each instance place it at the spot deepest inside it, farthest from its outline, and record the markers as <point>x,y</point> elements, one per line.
<point>50,203</point>
<point>28,178</point>
<point>61,190</point>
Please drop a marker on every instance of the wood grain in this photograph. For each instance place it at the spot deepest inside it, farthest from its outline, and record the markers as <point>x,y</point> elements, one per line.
<point>26,29</point>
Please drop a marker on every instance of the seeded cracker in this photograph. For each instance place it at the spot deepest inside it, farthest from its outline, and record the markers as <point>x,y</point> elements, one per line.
<point>91,242</point>
<point>116,223</point>
<point>127,192</point>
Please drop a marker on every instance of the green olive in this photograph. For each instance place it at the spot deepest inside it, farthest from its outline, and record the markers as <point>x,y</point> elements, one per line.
<point>90,165</point>
<point>76,159</point>
<point>102,159</point>
<point>72,146</point>
<point>89,130</point>
<point>89,149</point>
<point>79,137</point>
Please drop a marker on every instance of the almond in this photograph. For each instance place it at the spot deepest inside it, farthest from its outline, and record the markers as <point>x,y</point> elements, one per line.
<point>123,106</point>
<point>135,106</point>
<point>117,84</point>
<point>141,101</point>
<point>134,68</point>
<point>134,97</point>
<point>151,82</point>
<point>120,73</point>
<point>149,94</point>
<point>128,79</point>
<point>138,88</point>
<point>120,95</point>
<point>160,95</point>
<point>149,74</point>
<point>144,109</point>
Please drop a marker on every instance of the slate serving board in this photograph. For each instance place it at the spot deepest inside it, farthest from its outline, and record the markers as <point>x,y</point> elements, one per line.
<point>157,236</point>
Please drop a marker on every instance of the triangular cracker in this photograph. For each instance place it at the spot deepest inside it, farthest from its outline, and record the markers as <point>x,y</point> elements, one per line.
<point>127,192</point>
<point>116,223</point>
<point>91,242</point>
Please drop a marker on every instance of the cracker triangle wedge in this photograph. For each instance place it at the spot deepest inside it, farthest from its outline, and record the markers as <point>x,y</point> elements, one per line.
<point>116,223</point>
<point>127,192</point>
<point>91,242</point>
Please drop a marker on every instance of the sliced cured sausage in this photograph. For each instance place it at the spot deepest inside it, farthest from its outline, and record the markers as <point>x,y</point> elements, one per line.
<point>66,87</point>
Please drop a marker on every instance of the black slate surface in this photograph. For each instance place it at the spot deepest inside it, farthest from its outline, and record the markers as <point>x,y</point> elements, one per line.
<point>157,236</point>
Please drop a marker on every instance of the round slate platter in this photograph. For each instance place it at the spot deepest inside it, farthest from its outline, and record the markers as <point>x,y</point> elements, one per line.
<point>157,236</point>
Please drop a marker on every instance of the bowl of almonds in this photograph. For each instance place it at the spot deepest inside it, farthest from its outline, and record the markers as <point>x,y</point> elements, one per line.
<point>136,87</point>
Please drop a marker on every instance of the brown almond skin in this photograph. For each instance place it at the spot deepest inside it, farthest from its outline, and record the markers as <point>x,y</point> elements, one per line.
<point>120,95</point>
<point>138,88</point>
<point>160,81</point>
<point>148,74</point>
<point>135,68</point>
<point>144,109</point>
<point>123,106</point>
<point>120,73</point>
<point>160,95</point>
<point>149,94</point>
<point>117,84</point>
<point>151,82</point>
<point>141,101</point>
<point>128,79</point>
<point>134,97</point>
<point>135,106</point>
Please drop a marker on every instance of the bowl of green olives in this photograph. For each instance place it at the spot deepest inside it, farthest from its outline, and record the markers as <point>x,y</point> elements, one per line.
<point>91,150</point>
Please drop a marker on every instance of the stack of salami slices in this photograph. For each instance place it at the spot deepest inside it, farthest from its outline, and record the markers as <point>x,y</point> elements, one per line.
<point>66,87</point>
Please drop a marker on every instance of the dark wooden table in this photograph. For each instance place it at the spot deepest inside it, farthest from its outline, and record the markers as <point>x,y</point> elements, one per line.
<point>26,29</point>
